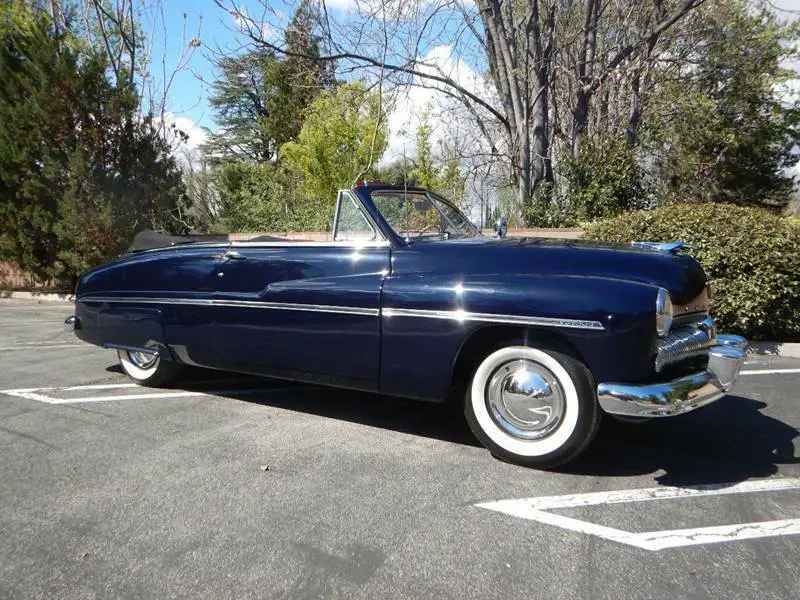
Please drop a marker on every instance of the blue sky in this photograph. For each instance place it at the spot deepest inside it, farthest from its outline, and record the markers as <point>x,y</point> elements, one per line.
<point>188,95</point>
<point>190,90</point>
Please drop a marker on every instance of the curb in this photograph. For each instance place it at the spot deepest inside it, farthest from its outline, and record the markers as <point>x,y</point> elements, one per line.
<point>789,349</point>
<point>38,296</point>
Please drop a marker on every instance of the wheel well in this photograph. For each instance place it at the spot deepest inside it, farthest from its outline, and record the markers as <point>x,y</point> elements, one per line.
<point>486,339</point>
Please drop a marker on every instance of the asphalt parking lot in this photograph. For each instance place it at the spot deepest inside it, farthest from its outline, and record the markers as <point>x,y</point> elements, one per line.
<point>231,487</point>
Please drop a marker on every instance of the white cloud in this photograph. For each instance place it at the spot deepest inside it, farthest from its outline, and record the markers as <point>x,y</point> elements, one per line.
<point>444,112</point>
<point>343,5</point>
<point>185,137</point>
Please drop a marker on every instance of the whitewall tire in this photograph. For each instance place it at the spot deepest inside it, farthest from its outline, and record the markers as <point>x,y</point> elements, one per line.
<point>532,406</point>
<point>147,369</point>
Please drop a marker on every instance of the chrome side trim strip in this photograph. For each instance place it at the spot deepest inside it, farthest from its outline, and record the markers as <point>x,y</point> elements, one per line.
<point>344,310</point>
<point>453,315</point>
<point>147,300</point>
<point>462,316</point>
<point>347,310</point>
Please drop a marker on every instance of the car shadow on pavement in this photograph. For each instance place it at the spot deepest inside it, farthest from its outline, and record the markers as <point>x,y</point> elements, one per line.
<point>437,421</point>
<point>727,442</point>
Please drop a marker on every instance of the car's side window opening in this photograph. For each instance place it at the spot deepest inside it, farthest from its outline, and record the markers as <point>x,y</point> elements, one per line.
<point>351,225</point>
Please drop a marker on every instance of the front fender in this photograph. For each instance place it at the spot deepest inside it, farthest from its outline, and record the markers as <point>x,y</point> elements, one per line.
<point>427,319</point>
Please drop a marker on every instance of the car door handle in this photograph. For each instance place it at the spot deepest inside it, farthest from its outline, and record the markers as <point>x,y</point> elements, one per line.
<point>233,255</point>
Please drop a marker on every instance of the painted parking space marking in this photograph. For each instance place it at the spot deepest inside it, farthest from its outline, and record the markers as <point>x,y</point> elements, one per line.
<point>769,371</point>
<point>30,346</point>
<point>536,509</point>
<point>61,395</point>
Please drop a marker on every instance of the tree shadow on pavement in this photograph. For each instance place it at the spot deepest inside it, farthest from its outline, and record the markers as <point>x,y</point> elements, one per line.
<point>728,441</point>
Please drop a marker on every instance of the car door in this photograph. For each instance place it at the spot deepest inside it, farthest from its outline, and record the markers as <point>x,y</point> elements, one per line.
<point>305,310</point>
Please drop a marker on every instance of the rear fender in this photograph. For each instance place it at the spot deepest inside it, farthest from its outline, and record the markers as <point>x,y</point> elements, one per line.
<point>120,326</point>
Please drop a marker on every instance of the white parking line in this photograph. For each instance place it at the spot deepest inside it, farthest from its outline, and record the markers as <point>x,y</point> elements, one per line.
<point>29,322</point>
<point>45,346</point>
<point>534,509</point>
<point>50,395</point>
<point>769,371</point>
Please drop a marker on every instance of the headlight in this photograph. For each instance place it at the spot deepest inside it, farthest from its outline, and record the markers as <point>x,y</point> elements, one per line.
<point>663,312</point>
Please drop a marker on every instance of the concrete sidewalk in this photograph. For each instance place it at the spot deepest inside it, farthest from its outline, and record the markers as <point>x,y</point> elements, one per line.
<point>36,296</point>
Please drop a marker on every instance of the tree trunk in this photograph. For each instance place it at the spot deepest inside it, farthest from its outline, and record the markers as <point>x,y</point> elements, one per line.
<point>635,114</point>
<point>581,120</point>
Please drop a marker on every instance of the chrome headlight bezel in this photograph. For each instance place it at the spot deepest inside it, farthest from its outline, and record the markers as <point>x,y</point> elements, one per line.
<point>664,312</point>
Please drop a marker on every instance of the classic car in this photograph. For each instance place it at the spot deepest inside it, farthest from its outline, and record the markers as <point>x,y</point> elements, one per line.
<point>537,338</point>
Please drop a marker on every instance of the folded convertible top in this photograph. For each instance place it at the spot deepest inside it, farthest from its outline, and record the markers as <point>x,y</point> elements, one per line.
<point>148,240</point>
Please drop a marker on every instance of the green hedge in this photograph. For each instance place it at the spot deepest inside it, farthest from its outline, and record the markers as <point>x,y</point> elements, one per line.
<point>751,257</point>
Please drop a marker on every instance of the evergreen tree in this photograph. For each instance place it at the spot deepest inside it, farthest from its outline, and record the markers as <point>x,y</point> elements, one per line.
<point>81,171</point>
<point>261,99</point>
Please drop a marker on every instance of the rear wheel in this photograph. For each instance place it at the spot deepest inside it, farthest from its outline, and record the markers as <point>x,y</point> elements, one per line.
<point>147,369</point>
<point>531,406</point>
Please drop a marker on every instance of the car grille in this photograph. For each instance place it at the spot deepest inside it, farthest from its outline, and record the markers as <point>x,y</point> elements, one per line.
<point>684,343</point>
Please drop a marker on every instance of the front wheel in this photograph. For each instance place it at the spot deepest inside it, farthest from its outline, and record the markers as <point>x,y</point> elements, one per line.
<point>147,369</point>
<point>532,407</point>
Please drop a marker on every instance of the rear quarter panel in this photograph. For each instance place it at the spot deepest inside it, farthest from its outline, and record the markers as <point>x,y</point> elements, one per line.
<point>181,272</point>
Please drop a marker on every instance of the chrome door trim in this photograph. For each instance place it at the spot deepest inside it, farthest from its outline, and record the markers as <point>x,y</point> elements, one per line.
<point>326,308</point>
<point>452,315</point>
<point>464,316</point>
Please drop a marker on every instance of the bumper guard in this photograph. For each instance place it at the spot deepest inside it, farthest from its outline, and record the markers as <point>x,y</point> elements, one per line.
<point>679,395</point>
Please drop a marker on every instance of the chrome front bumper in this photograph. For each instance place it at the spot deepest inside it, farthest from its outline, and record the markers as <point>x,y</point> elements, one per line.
<point>679,395</point>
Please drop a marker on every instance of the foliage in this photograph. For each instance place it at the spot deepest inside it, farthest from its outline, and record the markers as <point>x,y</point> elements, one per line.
<point>451,181</point>
<point>604,181</point>
<point>394,173</point>
<point>424,172</point>
<point>244,125</point>
<point>260,99</point>
<point>343,133</point>
<point>80,170</point>
<point>549,208</point>
<point>718,128</point>
<point>266,198</point>
<point>750,256</point>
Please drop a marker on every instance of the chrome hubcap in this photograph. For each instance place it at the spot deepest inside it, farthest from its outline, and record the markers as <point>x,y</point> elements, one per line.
<point>525,399</point>
<point>143,360</point>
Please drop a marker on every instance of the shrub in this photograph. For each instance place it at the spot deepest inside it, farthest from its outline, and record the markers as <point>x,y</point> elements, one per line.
<point>604,181</point>
<point>265,198</point>
<point>751,257</point>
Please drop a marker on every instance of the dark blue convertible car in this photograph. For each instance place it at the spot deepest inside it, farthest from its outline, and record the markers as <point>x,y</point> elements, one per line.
<point>536,338</point>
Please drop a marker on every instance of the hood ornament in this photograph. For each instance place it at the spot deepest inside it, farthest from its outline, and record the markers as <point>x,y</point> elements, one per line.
<point>668,247</point>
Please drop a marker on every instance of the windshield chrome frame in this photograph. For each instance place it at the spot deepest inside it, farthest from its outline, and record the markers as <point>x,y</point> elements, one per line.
<point>434,200</point>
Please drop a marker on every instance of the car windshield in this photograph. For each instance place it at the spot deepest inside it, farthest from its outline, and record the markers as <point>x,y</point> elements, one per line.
<point>419,215</point>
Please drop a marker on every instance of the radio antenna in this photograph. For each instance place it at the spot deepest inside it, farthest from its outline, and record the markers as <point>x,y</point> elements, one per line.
<point>405,175</point>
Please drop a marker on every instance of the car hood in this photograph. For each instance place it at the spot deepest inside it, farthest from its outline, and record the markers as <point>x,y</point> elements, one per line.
<point>679,274</point>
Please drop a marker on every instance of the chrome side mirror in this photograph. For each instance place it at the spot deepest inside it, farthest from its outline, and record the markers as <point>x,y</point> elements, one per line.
<point>501,227</point>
